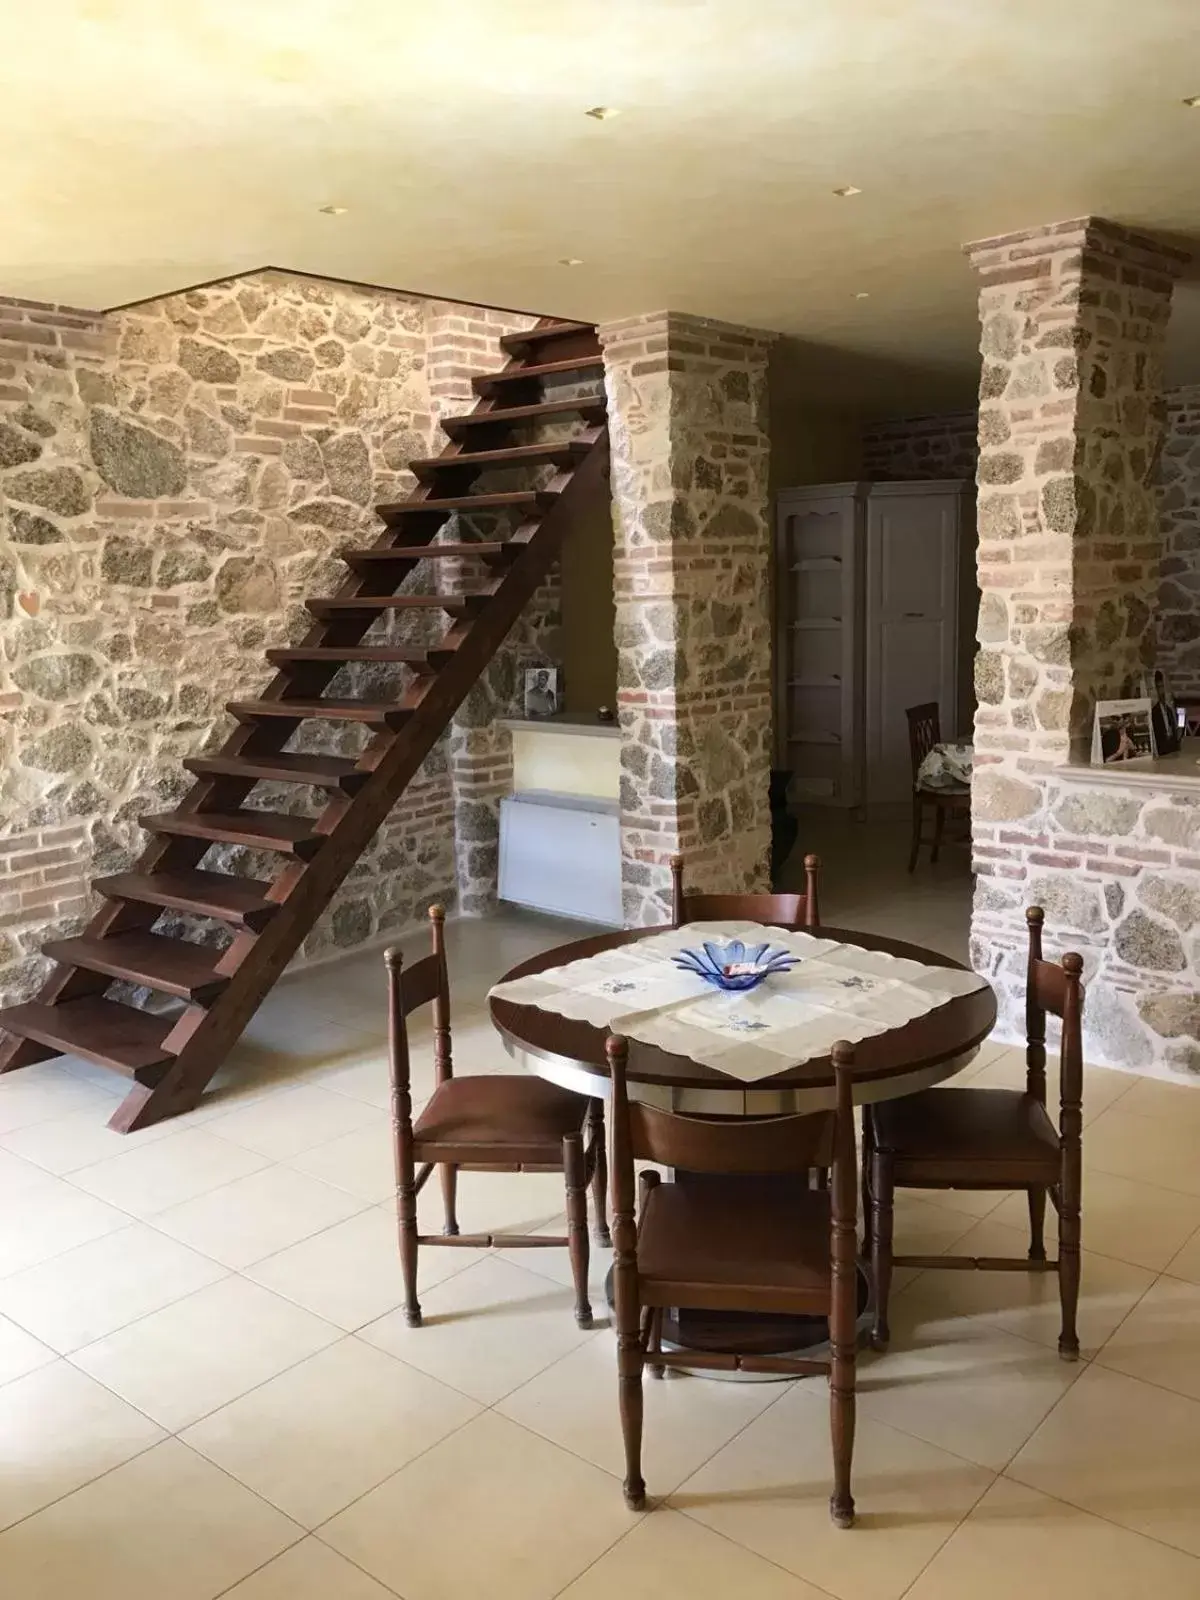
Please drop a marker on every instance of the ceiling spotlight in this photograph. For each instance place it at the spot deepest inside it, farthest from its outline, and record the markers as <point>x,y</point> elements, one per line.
<point>570,261</point>
<point>333,211</point>
<point>846,190</point>
<point>1192,100</point>
<point>862,294</point>
<point>602,113</point>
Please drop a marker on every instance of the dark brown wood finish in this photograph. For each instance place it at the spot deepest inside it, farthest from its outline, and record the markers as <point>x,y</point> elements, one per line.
<point>727,1246</point>
<point>176,1055</point>
<point>493,1123</point>
<point>941,1036</point>
<point>782,910</point>
<point>992,1139</point>
<point>924,731</point>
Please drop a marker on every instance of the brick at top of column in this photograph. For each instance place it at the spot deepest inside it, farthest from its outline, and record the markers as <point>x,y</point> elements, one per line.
<point>655,331</point>
<point>1033,253</point>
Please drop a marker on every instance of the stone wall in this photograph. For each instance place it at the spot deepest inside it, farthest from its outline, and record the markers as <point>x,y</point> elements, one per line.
<point>175,480</point>
<point>687,417</point>
<point>1070,428</point>
<point>936,447</point>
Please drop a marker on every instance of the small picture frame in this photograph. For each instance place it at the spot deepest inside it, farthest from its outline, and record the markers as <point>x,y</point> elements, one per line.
<point>1123,730</point>
<point>1164,714</point>
<point>541,692</point>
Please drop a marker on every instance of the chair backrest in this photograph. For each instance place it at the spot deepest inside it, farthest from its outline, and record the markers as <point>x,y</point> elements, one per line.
<point>731,1145</point>
<point>1053,988</point>
<point>924,731</point>
<point>786,910</point>
<point>422,983</point>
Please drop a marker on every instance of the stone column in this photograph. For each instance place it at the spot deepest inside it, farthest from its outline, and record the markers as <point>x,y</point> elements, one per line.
<point>688,423</point>
<point>1070,429</point>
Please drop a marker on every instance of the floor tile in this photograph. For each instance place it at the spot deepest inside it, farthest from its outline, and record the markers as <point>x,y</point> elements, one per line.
<point>769,1491</point>
<point>61,1430</point>
<point>350,1273</point>
<point>1125,1451</point>
<point>184,1361</point>
<point>1140,1147</point>
<point>88,1292</point>
<point>165,1524</point>
<point>1102,1086</point>
<point>1170,1102</point>
<point>492,1510</point>
<point>51,1218</point>
<point>1125,1218</point>
<point>41,1093</point>
<point>19,1177</point>
<point>957,1383</point>
<point>363,1163</point>
<point>574,1404</point>
<point>499,1202</point>
<point>1187,1263</point>
<point>1018,1542</point>
<point>310,1570</point>
<point>20,1352</point>
<point>1160,1339</point>
<point>486,1330</point>
<point>667,1555</point>
<point>66,1144</point>
<point>1024,1303</point>
<point>366,1079</point>
<point>292,1121</point>
<point>258,1216</point>
<point>146,1180</point>
<point>320,1435</point>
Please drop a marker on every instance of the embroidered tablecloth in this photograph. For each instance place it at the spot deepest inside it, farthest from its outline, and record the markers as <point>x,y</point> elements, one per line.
<point>947,765</point>
<point>835,991</point>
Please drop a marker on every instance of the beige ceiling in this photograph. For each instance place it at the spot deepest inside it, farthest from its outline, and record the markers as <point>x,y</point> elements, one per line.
<point>150,144</point>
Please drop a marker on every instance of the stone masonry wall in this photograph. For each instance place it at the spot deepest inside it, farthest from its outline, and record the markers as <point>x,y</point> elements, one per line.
<point>913,449</point>
<point>687,416</point>
<point>175,480</point>
<point>1070,428</point>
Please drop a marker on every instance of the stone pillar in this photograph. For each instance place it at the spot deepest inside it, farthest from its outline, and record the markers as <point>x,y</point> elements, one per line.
<point>688,422</point>
<point>1070,429</point>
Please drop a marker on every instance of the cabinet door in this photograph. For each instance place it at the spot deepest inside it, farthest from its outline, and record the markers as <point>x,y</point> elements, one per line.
<point>911,628</point>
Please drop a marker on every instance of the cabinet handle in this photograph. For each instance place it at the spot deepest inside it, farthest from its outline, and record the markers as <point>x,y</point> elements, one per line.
<point>914,613</point>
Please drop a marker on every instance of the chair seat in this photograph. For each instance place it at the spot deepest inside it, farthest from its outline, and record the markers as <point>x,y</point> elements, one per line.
<point>501,1118</point>
<point>970,1137</point>
<point>699,1247</point>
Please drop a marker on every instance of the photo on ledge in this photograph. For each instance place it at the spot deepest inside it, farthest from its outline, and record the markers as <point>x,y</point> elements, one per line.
<point>1123,730</point>
<point>541,692</point>
<point>1164,714</point>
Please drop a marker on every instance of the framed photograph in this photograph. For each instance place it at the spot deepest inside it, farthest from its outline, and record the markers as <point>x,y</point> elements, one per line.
<point>1164,714</point>
<point>1123,730</point>
<point>541,691</point>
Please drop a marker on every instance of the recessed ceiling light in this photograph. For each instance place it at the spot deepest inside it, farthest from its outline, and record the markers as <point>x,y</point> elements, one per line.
<point>862,294</point>
<point>333,211</point>
<point>1193,100</point>
<point>846,190</point>
<point>569,261</point>
<point>602,113</point>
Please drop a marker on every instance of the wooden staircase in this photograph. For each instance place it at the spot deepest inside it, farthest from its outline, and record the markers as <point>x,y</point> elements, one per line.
<point>212,991</point>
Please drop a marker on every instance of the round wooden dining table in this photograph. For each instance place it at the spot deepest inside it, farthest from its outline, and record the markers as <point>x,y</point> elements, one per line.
<point>900,1061</point>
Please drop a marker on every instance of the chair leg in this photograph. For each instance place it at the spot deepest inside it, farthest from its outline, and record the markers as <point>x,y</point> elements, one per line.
<point>882,1199</point>
<point>654,1343</point>
<point>868,1146</point>
<point>1037,1223</point>
<point>406,1208</point>
<point>1068,1275</point>
<point>939,822</point>
<point>595,1122</point>
<point>915,851</point>
<point>449,1180</point>
<point>629,1382</point>
<point>577,1224</point>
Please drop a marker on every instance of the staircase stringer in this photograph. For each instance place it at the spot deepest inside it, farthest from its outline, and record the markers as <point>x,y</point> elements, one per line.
<point>203,1040</point>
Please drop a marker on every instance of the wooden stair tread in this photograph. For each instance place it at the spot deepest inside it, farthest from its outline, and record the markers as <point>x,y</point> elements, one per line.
<point>433,552</point>
<point>323,772</point>
<point>384,713</point>
<point>456,605</point>
<point>517,343</point>
<point>100,1030</point>
<point>501,500</point>
<point>257,830</point>
<point>240,901</point>
<point>589,407</point>
<point>172,966</point>
<point>562,452</point>
<point>382,655</point>
<point>496,382</point>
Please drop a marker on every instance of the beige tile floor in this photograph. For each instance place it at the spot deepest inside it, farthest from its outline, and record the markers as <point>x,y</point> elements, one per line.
<point>206,1389</point>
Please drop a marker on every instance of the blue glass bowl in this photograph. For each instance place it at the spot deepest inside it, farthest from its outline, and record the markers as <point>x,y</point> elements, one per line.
<point>713,961</point>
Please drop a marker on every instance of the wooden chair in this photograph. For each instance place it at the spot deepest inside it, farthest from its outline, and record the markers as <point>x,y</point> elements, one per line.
<point>788,910</point>
<point>924,731</point>
<point>699,1247</point>
<point>991,1139</point>
<point>509,1122</point>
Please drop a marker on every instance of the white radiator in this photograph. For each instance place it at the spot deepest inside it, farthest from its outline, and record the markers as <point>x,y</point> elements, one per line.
<point>562,853</point>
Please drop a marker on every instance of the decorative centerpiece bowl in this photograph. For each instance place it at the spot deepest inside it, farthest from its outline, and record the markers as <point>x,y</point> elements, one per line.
<point>734,966</point>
